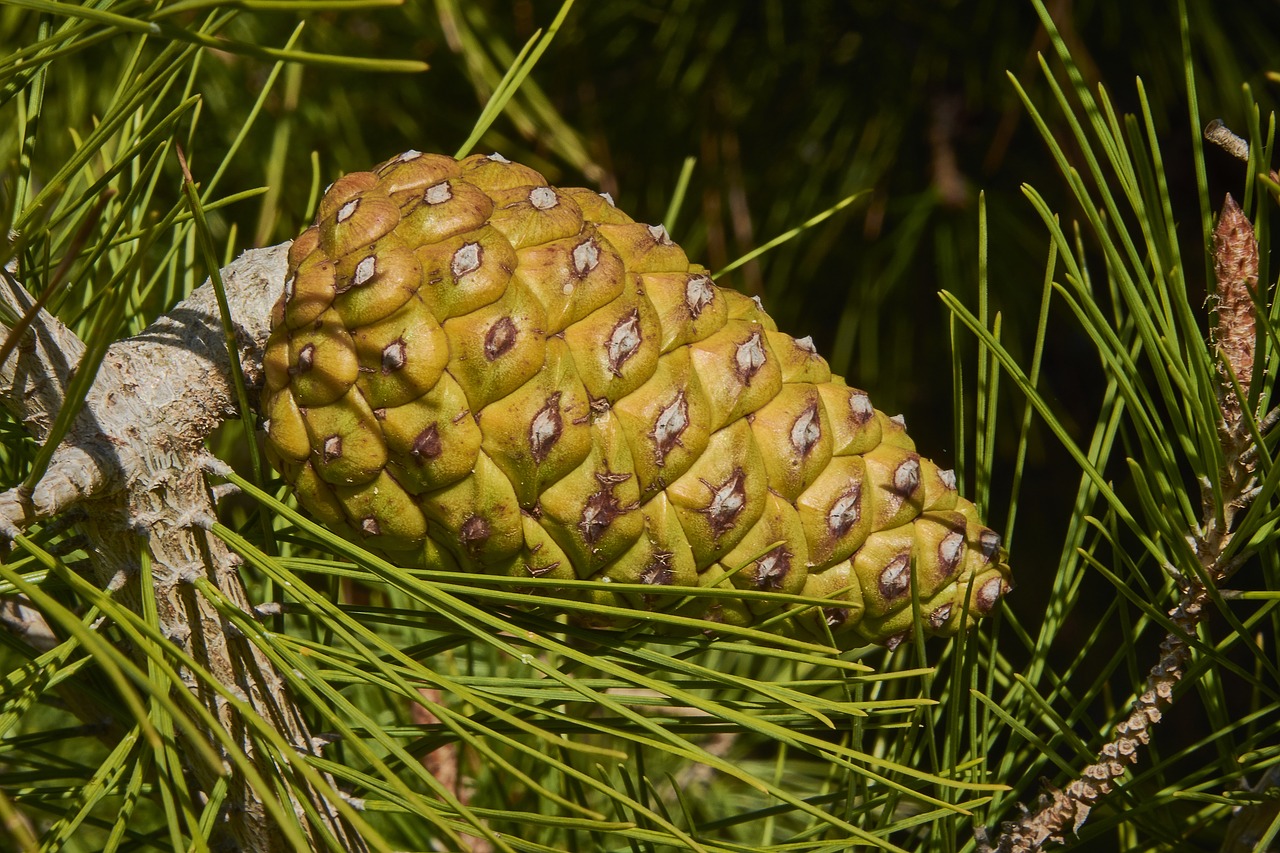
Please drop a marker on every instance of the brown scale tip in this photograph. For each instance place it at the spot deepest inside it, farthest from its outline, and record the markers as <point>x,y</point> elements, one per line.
<point>466,260</point>
<point>906,477</point>
<point>545,429</point>
<point>427,444</point>
<point>668,426</point>
<point>586,257</point>
<point>726,503</point>
<point>895,577</point>
<point>988,595</point>
<point>365,270</point>
<point>772,569</point>
<point>394,356</point>
<point>658,572</point>
<point>846,511</point>
<point>474,533</point>
<point>806,430</point>
<point>500,338</point>
<point>543,198</point>
<point>950,552</point>
<point>624,341</point>
<point>699,292</point>
<point>749,358</point>
<point>348,210</point>
<point>306,358</point>
<point>438,193</point>
<point>601,508</point>
<point>860,407</point>
<point>539,571</point>
<point>989,542</point>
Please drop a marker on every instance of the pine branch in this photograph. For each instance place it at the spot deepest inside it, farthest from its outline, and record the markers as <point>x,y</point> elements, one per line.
<point>1236,268</point>
<point>132,460</point>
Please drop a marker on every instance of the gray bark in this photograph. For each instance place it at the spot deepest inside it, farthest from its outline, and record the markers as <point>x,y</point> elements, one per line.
<point>132,461</point>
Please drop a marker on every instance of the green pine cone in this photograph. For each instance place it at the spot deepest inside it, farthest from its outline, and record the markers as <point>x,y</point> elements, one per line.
<point>472,369</point>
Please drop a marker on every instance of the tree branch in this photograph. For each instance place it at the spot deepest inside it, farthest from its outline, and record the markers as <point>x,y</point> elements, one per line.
<point>132,460</point>
<point>1236,269</point>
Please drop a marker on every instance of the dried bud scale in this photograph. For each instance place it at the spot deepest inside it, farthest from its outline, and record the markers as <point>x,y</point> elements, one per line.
<point>1222,136</point>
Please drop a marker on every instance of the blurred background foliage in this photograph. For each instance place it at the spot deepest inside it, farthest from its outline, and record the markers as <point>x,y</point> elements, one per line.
<point>787,107</point>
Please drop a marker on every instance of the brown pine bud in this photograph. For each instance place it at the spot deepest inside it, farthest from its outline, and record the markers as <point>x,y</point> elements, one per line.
<point>1235,256</point>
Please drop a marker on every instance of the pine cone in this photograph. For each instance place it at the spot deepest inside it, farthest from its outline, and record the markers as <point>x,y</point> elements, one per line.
<point>471,369</point>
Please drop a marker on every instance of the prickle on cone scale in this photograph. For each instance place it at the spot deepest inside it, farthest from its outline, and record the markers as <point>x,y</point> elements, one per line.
<point>470,369</point>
